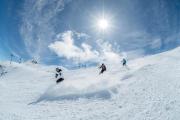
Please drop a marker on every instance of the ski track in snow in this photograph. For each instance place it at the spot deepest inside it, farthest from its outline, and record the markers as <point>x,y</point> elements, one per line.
<point>149,89</point>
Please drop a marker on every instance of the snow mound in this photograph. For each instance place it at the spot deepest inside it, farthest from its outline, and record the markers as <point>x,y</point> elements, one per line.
<point>73,94</point>
<point>87,86</point>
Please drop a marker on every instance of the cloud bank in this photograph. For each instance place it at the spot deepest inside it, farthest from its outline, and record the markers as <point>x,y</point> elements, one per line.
<point>64,46</point>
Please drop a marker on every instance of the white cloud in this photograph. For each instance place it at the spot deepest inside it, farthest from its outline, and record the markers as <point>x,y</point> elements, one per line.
<point>156,43</point>
<point>65,47</point>
<point>107,53</point>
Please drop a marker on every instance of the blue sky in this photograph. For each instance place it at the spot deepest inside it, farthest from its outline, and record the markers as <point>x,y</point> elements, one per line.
<point>65,31</point>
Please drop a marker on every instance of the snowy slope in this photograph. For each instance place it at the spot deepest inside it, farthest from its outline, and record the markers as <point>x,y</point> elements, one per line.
<point>149,89</point>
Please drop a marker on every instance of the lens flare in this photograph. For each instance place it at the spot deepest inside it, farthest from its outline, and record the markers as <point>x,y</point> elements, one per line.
<point>103,24</point>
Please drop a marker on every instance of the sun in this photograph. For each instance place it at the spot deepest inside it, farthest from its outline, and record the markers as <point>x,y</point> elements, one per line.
<point>103,23</point>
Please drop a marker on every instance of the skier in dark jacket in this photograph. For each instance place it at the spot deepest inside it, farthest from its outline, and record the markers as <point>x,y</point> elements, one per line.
<point>124,62</point>
<point>58,72</point>
<point>59,75</point>
<point>103,68</point>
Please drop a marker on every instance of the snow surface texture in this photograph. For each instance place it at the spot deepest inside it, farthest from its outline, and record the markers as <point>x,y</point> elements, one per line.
<point>149,89</point>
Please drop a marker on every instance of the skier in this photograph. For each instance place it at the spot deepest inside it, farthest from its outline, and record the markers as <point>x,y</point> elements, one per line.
<point>59,75</point>
<point>124,62</point>
<point>58,72</point>
<point>2,71</point>
<point>103,68</point>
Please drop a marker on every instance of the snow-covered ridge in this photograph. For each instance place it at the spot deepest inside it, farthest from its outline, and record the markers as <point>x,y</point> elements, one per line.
<point>149,88</point>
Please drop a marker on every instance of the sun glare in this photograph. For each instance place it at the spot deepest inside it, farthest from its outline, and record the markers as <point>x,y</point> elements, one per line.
<point>103,24</point>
